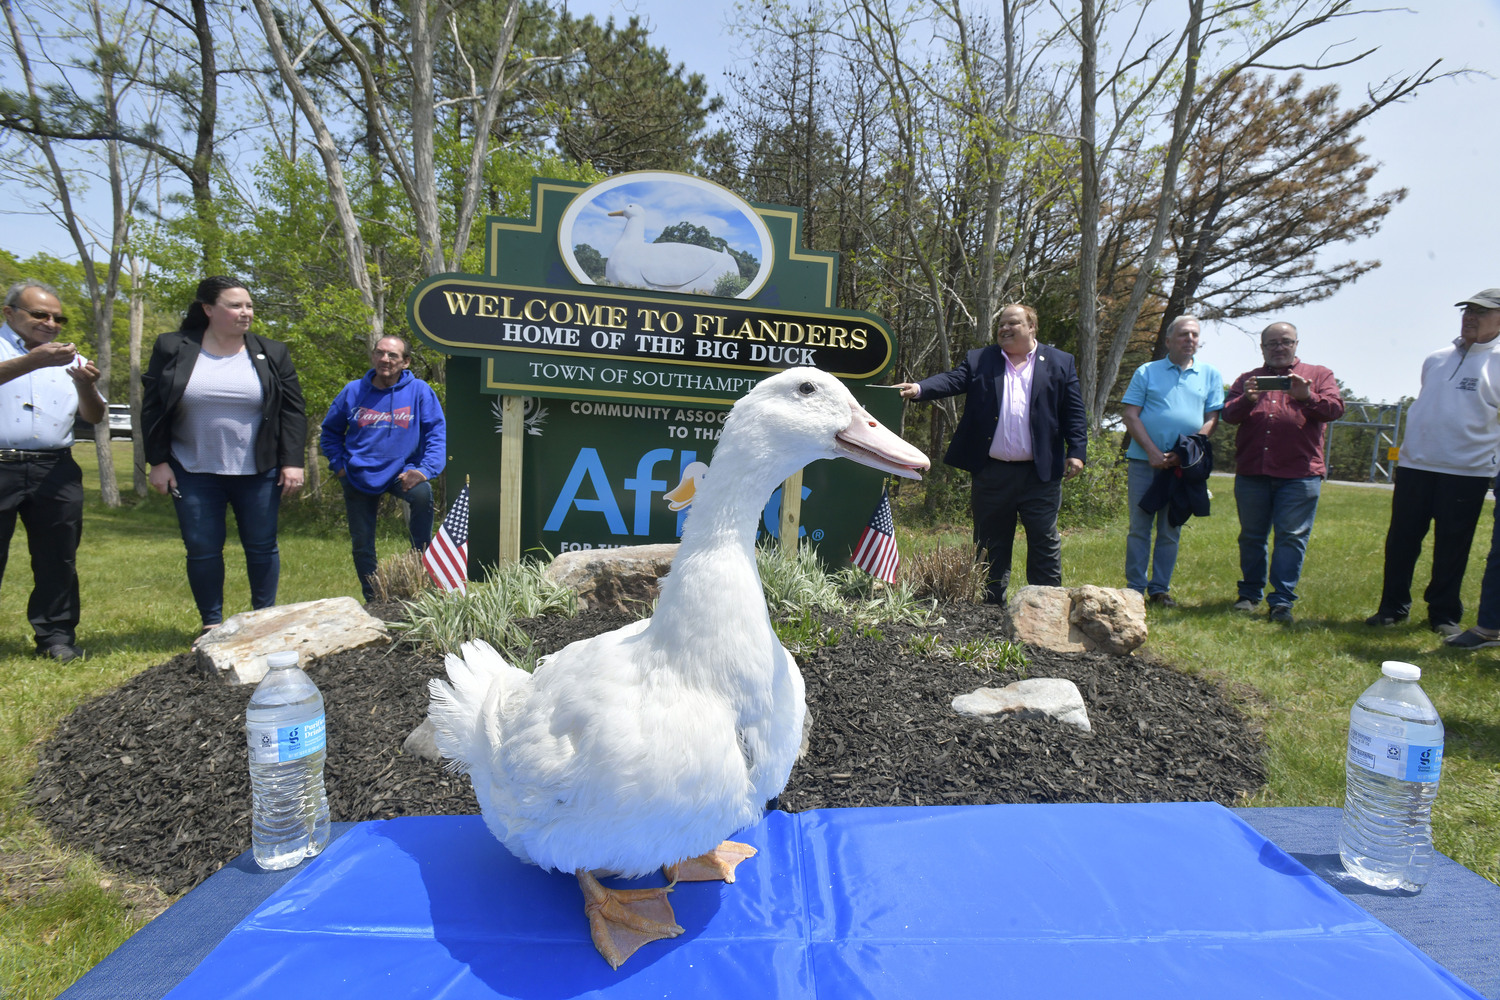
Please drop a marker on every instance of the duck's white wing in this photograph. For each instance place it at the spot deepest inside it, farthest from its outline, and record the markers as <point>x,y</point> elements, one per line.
<point>771,746</point>
<point>610,764</point>
<point>670,265</point>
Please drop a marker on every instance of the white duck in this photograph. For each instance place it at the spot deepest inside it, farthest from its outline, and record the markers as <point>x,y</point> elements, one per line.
<point>667,267</point>
<point>647,746</point>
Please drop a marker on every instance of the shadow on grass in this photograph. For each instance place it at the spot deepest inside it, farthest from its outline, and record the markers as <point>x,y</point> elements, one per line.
<point>1476,739</point>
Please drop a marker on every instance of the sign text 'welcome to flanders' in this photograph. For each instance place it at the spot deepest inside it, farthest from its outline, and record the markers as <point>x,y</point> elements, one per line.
<point>548,341</point>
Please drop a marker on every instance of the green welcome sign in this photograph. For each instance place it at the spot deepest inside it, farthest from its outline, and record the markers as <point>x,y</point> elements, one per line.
<point>593,363</point>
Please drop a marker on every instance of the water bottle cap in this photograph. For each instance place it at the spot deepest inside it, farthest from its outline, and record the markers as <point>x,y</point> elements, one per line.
<point>1401,671</point>
<point>281,658</point>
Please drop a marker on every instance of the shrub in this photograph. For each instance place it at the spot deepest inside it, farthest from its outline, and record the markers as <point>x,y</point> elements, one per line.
<point>949,574</point>
<point>799,585</point>
<point>400,577</point>
<point>488,610</point>
<point>730,285</point>
<point>1096,496</point>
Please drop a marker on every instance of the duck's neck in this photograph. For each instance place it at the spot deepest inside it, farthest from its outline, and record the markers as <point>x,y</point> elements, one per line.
<point>714,584</point>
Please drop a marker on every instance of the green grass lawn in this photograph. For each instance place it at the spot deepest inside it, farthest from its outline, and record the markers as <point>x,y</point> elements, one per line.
<point>62,913</point>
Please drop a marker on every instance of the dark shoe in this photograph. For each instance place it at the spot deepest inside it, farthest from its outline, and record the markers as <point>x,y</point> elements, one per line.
<point>1471,639</point>
<point>1281,614</point>
<point>1446,629</point>
<point>62,652</point>
<point>1164,599</point>
<point>1245,604</point>
<point>1385,618</point>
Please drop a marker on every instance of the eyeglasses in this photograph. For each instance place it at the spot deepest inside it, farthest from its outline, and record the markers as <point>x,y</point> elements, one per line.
<point>1278,343</point>
<point>39,314</point>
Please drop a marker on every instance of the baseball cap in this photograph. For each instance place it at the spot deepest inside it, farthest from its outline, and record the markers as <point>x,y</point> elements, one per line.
<point>1487,299</point>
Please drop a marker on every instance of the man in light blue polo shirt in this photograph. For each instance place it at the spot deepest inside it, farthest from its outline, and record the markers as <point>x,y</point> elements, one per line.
<point>1174,396</point>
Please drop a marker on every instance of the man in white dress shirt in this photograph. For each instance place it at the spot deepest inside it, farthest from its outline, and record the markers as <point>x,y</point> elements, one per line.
<point>43,386</point>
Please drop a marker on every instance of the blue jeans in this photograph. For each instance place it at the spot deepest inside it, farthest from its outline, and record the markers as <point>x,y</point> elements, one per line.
<point>362,509</point>
<point>1289,506</point>
<point>256,500</point>
<point>1140,554</point>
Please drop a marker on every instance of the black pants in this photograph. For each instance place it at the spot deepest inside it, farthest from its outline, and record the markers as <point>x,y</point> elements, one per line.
<point>1002,493</point>
<point>48,495</point>
<point>1451,504</point>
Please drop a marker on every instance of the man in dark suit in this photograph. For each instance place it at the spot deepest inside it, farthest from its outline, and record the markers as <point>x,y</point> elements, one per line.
<point>1024,431</point>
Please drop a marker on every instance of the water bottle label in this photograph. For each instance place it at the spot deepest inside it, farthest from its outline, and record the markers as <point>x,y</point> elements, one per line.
<point>1394,758</point>
<point>275,744</point>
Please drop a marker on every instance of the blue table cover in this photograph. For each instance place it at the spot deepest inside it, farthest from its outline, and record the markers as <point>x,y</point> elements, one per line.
<point>1161,900</point>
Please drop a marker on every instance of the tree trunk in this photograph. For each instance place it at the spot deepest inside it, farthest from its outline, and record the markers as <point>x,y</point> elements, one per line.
<point>203,150</point>
<point>1180,127</point>
<point>1088,212</point>
<point>338,191</point>
<point>139,480</point>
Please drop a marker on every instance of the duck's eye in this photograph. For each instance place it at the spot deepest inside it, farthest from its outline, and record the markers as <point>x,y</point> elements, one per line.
<point>807,388</point>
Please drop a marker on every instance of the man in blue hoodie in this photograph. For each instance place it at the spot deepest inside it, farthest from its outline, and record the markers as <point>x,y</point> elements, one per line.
<point>385,433</point>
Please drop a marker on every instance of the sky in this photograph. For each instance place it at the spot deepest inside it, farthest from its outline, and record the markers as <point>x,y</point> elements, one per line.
<point>1443,146</point>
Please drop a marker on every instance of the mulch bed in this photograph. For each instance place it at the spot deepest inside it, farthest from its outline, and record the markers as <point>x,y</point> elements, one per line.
<point>152,778</point>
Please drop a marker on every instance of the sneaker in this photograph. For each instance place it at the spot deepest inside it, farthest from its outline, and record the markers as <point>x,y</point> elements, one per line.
<point>1164,599</point>
<point>1471,639</point>
<point>1245,604</point>
<point>1385,618</point>
<point>1281,614</point>
<point>1446,629</point>
<point>62,652</point>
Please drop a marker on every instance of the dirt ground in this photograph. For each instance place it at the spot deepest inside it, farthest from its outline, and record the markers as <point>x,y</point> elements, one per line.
<point>152,777</point>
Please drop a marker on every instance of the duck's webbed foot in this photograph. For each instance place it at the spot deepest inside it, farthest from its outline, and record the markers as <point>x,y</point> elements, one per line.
<point>621,920</point>
<point>718,864</point>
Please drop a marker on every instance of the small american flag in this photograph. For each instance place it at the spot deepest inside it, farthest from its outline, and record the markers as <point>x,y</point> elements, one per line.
<point>876,552</point>
<point>447,558</point>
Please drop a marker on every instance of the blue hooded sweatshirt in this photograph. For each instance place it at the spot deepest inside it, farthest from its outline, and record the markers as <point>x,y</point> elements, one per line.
<point>377,434</point>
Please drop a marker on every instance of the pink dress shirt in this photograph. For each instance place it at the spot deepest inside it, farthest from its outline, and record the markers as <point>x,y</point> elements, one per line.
<point>1012,441</point>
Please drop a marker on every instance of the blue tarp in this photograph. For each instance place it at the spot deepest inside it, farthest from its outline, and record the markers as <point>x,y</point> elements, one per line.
<point>1160,901</point>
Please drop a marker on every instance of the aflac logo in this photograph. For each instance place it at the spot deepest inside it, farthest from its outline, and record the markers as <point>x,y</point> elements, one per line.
<point>588,475</point>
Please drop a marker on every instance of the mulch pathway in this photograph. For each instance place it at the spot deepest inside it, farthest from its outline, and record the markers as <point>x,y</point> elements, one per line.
<point>152,778</point>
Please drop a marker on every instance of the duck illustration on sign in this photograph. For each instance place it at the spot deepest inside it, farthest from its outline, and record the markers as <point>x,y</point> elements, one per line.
<point>681,234</point>
<point>665,267</point>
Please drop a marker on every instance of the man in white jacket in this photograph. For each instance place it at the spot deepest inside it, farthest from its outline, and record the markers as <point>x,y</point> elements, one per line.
<point>1449,456</point>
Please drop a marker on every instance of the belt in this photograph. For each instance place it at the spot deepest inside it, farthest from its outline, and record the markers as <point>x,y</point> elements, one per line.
<point>22,455</point>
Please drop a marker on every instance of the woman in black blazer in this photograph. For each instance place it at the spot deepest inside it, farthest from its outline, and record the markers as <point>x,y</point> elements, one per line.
<point>224,425</point>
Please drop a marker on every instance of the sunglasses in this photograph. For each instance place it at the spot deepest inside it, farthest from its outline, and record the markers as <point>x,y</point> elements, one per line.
<point>57,318</point>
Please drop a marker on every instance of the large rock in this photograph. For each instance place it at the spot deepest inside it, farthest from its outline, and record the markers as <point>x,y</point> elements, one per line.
<point>1111,620</point>
<point>622,579</point>
<point>1080,619</point>
<point>422,742</point>
<point>1035,697</point>
<point>236,650</point>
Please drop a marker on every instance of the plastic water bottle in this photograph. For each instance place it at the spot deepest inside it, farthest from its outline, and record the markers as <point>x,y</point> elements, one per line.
<point>284,724</point>
<point>1394,761</point>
